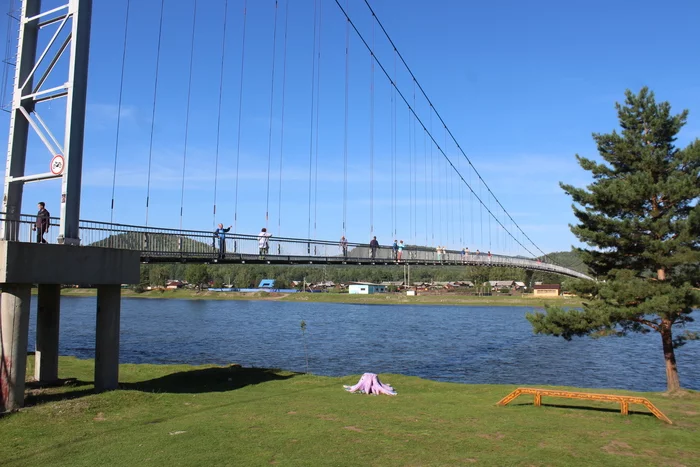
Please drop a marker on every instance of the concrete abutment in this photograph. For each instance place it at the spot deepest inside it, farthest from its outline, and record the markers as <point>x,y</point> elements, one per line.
<point>47,326</point>
<point>107,337</point>
<point>14,324</point>
<point>23,265</point>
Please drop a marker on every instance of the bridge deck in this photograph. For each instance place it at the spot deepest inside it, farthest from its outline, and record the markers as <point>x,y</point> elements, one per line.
<point>157,245</point>
<point>295,259</point>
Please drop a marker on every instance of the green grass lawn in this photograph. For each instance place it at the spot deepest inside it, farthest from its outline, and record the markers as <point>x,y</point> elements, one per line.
<point>377,299</point>
<point>200,416</point>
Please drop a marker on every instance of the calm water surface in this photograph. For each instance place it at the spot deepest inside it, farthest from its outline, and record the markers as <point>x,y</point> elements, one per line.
<point>444,343</point>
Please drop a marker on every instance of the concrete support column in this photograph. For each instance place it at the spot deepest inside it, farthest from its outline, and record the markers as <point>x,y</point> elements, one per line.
<point>107,337</point>
<point>14,331</point>
<point>47,325</point>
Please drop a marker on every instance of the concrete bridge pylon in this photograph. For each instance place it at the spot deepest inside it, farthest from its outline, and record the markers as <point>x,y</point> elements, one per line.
<point>23,265</point>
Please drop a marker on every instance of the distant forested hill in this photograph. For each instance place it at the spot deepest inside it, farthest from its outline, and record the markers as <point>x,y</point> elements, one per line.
<point>156,242</point>
<point>569,259</point>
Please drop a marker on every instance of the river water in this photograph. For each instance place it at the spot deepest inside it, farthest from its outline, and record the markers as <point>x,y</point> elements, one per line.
<point>493,345</point>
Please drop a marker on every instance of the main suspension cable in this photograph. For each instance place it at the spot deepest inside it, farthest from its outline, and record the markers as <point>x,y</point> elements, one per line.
<point>443,122</point>
<point>406,102</point>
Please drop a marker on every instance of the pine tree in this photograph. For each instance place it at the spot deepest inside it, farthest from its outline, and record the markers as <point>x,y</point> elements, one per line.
<point>641,218</point>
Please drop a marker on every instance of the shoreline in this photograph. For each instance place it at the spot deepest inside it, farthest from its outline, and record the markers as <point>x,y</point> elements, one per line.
<point>376,299</point>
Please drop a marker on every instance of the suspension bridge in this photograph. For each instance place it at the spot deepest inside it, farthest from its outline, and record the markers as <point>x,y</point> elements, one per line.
<point>157,245</point>
<point>435,197</point>
<point>220,112</point>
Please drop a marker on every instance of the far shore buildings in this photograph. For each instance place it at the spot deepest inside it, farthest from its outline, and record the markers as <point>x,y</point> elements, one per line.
<point>366,288</point>
<point>451,285</point>
<point>513,285</point>
<point>546,290</point>
<point>316,286</point>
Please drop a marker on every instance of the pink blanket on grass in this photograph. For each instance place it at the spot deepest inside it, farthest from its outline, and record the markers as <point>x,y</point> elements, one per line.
<point>370,384</point>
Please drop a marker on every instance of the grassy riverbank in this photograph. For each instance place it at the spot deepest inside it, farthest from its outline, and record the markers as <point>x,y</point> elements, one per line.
<point>377,299</point>
<point>183,415</point>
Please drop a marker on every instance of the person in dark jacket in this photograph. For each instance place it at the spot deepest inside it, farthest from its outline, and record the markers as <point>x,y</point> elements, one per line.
<point>220,233</point>
<point>43,220</point>
<point>344,246</point>
<point>373,245</point>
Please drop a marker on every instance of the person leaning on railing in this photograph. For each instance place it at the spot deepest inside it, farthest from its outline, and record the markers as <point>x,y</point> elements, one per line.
<point>263,242</point>
<point>344,246</point>
<point>220,233</point>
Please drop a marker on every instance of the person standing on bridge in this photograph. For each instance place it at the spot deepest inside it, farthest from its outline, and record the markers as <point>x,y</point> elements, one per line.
<point>220,233</point>
<point>43,220</point>
<point>344,246</point>
<point>400,252</point>
<point>373,245</point>
<point>395,250</point>
<point>263,242</point>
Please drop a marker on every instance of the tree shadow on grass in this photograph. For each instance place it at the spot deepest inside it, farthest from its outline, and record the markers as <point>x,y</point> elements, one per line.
<point>584,407</point>
<point>216,379</point>
<point>41,393</point>
<point>64,382</point>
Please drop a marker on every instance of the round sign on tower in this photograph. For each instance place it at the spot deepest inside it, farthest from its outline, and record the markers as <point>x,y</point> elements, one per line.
<point>57,164</point>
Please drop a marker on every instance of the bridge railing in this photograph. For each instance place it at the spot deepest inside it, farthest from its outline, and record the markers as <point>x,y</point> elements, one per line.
<point>22,229</point>
<point>174,244</point>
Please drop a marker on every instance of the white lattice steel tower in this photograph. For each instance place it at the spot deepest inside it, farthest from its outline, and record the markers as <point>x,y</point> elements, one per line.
<point>71,23</point>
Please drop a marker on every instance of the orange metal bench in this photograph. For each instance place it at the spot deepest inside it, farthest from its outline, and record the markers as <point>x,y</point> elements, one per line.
<point>624,401</point>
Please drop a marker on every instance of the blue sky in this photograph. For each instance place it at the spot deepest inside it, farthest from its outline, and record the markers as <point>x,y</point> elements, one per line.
<point>521,85</point>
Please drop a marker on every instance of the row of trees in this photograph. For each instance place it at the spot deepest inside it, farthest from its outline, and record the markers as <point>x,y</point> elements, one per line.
<point>244,275</point>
